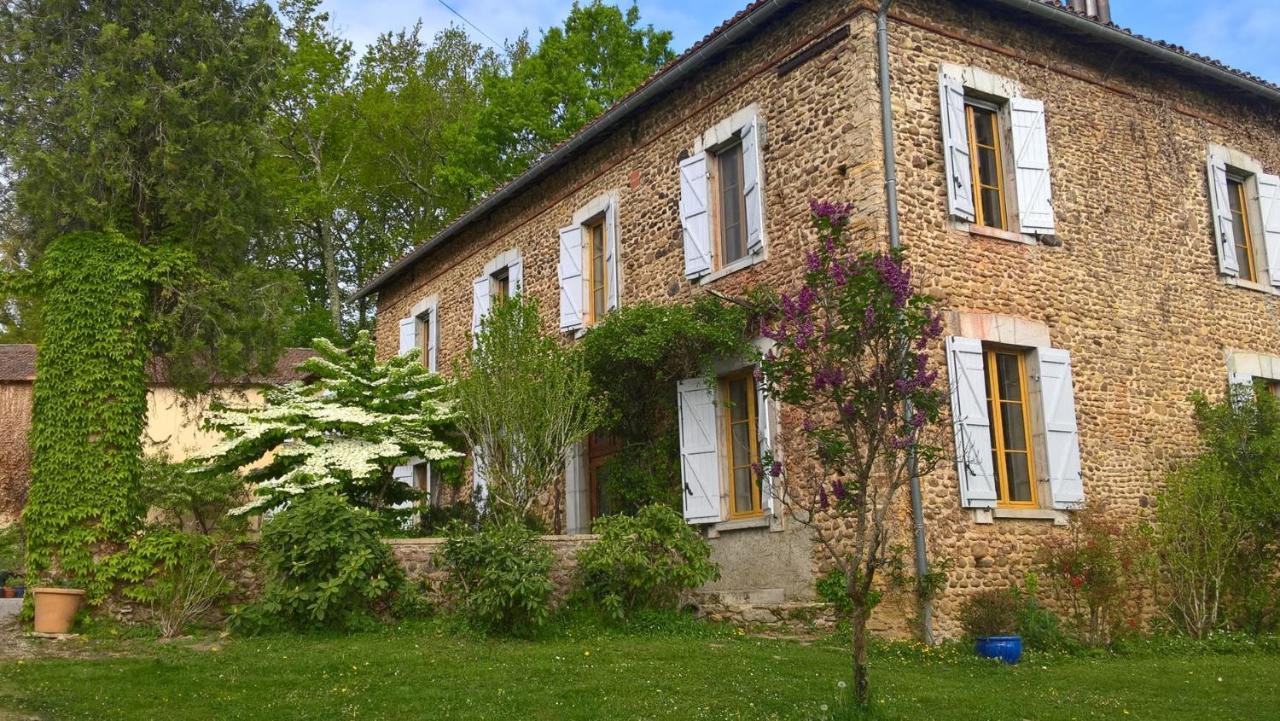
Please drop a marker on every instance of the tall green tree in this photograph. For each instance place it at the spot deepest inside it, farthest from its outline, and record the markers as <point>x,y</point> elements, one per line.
<point>148,118</point>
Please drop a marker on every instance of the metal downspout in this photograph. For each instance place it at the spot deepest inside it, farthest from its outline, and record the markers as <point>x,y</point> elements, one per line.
<point>895,242</point>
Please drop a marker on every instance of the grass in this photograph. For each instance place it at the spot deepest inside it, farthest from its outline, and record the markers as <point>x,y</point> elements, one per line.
<point>669,671</point>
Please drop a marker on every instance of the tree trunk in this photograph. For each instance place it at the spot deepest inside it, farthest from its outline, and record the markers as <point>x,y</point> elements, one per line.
<point>331,275</point>
<point>861,684</point>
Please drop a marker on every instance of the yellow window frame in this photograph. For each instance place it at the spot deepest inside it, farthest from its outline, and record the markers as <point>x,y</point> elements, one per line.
<point>752,423</point>
<point>590,315</point>
<point>997,423</point>
<point>974,169</point>
<point>1247,242</point>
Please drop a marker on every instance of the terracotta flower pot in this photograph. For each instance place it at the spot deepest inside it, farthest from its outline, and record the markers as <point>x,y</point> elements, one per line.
<point>55,608</point>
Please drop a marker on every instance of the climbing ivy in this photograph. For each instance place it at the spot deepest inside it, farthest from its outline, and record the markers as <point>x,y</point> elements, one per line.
<point>635,356</point>
<point>90,400</point>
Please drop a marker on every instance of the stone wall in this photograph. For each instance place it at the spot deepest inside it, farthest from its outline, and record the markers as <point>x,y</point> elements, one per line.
<point>15,452</point>
<point>417,557</point>
<point>1130,288</point>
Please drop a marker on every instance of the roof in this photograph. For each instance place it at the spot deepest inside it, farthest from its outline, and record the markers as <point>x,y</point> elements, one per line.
<point>18,364</point>
<point>744,23</point>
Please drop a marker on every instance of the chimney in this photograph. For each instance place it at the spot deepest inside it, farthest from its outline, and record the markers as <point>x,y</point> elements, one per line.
<point>1099,10</point>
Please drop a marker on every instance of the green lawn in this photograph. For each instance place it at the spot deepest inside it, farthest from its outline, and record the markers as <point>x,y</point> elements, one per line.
<point>423,672</point>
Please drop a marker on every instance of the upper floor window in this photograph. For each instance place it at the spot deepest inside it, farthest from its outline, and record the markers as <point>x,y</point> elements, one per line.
<point>589,268</point>
<point>502,277</point>
<point>722,198</point>
<point>1245,203</point>
<point>420,331</point>
<point>996,154</point>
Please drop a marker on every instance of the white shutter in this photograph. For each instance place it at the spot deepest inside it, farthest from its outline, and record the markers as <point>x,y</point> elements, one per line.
<point>1239,387</point>
<point>403,474</point>
<point>479,480</point>
<point>433,337</point>
<point>955,149</point>
<point>695,218</point>
<point>1269,209</point>
<point>515,277</point>
<point>577,503</point>
<point>699,464</point>
<point>1220,203</point>
<point>752,197</point>
<point>1031,159</point>
<point>570,277</point>
<point>611,242</point>
<point>1061,439</point>
<point>974,463</point>
<point>408,334</point>
<point>480,303</point>
<point>765,422</point>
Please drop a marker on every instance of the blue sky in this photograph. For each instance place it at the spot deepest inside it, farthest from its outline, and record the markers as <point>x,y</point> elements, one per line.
<point>1241,33</point>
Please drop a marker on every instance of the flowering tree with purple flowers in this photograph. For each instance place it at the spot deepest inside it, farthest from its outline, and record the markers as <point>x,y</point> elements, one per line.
<point>850,351</point>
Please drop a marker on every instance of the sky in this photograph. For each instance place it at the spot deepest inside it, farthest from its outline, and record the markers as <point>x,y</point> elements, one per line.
<point>1240,33</point>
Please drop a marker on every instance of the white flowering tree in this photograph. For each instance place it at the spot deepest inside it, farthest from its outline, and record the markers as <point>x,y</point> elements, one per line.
<point>345,428</point>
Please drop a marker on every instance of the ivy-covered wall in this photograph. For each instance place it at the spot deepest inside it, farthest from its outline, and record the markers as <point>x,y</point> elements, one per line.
<point>90,403</point>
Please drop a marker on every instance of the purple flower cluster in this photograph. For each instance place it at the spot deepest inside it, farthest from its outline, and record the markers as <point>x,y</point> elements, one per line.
<point>922,377</point>
<point>837,214</point>
<point>826,378</point>
<point>896,277</point>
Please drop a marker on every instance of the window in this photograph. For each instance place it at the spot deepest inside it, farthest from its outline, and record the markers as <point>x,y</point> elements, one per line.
<point>500,287</point>
<point>424,338</point>
<point>738,392</point>
<point>987,164</point>
<point>1007,409</point>
<point>597,270</point>
<point>1240,228</point>
<point>600,448</point>
<point>425,483</point>
<point>730,217</point>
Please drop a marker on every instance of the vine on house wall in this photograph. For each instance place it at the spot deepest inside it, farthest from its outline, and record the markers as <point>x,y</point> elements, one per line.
<point>636,355</point>
<point>89,400</point>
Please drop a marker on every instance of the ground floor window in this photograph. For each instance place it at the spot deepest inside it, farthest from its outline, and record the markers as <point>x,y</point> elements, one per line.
<point>601,447</point>
<point>1007,406</point>
<point>738,394</point>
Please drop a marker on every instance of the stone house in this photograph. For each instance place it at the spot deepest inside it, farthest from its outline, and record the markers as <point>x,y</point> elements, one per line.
<point>1099,213</point>
<point>173,420</point>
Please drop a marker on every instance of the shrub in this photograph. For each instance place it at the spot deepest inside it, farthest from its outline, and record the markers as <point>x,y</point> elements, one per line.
<point>1091,569</point>
<point>499,577</point>
<point>177,575</point>
<point>326,566</point>
<point>644,561</point>
<point>993,612</point>
<point>1040,628</point>
<point>188,501</point>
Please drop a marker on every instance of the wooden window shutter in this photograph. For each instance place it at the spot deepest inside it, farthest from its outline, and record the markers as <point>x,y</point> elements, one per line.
<point>766,422</point>
<point>968,380</point>
<point>699,453</point>
<point>1031,160</point>
<point>1220,204</point>
<point>570,272</point>
<point>955,149</point>
<point>515,277</point>
<point>408,334</point>
<point>1269,215</point>
<point>433,338</point>
<point>1061,437</point>
<point>695,216</point>
<point>752,185</point>
<point>612,244</point>
<point>480,303</point>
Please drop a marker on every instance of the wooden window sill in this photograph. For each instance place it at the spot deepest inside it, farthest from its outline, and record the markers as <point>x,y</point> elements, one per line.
<point>1249,285</point>
<point>982,231</point>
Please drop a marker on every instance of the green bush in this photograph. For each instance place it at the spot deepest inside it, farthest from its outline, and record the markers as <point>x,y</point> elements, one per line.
<point>326,566</point>
<point>1040,628</point>
<point>499,577</point>
<point>177,575</point>
<point>191,501</point>
<point>993,612</point>
<point>644,561</point>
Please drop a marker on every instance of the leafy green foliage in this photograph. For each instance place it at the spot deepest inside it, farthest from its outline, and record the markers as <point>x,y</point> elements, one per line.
<point>177,574</point>
<point>89,401</point>
<point>524,399</point>
<point>347,427</point>
<point>499,577</point>
<point>1092,570</point>
<point>188,501</point>
<point>993,612</point>
<point>645,561</point>
<point>1040,628</point>
<point>635,356</point>
<point>147,118</point>
<point>325,566</point>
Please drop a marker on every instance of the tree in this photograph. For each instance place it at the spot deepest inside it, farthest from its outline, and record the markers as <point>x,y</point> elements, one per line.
<point>851,352</point>
<point>573,75</point>
<point>525,399</point>
<point>347,427</point>
<point>148,117</point>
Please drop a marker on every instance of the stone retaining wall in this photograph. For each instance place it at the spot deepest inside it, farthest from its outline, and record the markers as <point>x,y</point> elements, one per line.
<point>417,557</point>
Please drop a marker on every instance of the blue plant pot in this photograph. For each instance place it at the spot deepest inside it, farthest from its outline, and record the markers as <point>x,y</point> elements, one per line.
<point>1007,649</point>
<point>19,591</point>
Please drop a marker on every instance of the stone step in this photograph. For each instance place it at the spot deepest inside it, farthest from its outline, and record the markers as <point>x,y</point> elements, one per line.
<point>752,597</point>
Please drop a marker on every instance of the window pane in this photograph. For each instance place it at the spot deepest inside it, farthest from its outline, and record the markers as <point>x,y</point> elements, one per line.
<point>741,439</point>
<point>729,173</point>
<point>983,126</point>
<point>743,497</point>
<point>1019,476</point>
<point>991,216</point>
<point>1015,430</point>
<point>1007,376</point>
<point>738,399</point>
<point>598,277</point>
<point>988,170</point>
